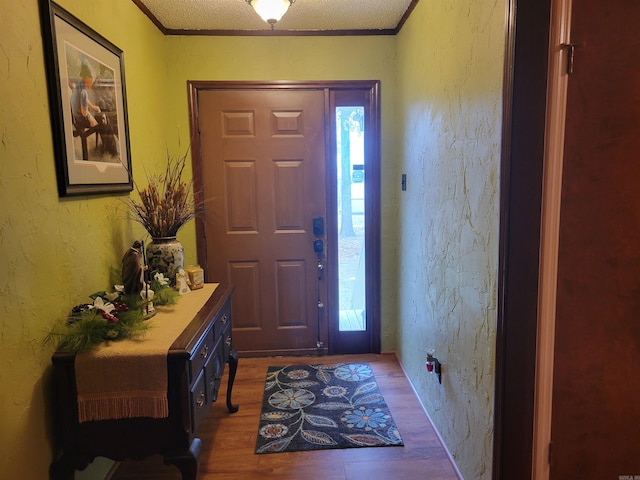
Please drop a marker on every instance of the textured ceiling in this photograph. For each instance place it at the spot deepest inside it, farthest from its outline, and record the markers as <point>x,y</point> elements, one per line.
<point>304,16</point>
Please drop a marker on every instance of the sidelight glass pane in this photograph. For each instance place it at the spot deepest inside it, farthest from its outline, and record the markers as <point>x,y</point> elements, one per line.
<point>351,217</point>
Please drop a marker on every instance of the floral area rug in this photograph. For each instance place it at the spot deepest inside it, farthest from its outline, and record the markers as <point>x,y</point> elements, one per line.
<point>317,407</point>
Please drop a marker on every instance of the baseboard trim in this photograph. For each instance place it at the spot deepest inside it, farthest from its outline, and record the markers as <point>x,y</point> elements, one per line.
<point>444,445</point>
<point>300,352</point>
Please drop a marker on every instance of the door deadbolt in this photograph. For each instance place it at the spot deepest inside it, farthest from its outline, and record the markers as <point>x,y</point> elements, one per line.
<point>318,226</point>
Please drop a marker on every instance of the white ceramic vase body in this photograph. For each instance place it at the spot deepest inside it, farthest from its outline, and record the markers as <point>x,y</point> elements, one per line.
<point>165,255</point>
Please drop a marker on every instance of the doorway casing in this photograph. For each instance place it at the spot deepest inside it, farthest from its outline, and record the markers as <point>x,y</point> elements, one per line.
<point>371,90</point>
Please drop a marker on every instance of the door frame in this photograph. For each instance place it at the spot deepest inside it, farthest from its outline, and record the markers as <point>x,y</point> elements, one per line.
<point>368,341</point>
<point>521,193</point>
<point>372,186</point>
<point>549,239</point>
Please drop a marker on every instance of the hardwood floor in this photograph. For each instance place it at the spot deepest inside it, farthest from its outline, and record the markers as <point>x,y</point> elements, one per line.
<point>228,440</point>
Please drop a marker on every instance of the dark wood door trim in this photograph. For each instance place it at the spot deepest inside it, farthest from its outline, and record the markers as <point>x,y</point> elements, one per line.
<point>370,340</point>
<point>524,115</point>
<point>373,200</point>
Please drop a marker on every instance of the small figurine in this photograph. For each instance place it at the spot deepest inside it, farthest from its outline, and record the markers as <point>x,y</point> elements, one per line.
<point>133,269</point>
<point>147,296</point>
<point>182,282</point>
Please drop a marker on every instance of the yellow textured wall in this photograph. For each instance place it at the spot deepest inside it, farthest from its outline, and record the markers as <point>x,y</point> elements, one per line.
<point>300,58</point>
<point>55,252</point>
<point>449,114</point>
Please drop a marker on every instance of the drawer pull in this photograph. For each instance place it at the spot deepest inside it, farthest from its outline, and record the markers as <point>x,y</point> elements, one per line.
<point>200,400</point>
<point>205,351</point>
<point>228,342</point>
<point>225,319</point>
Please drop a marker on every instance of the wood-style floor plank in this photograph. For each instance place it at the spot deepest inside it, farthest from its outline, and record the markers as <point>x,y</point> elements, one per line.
<point>228,440</point>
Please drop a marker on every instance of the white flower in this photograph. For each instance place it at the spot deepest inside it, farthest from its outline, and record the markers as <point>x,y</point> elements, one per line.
<point>112,296</point>
<point>159,277</point>
<point>99,304</point>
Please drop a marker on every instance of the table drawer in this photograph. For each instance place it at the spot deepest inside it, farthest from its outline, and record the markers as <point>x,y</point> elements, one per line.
<point>200,355</point>
<point>227,343</point>
<point>198,399</point>
<point>213,371</point>
<point>223,320</point>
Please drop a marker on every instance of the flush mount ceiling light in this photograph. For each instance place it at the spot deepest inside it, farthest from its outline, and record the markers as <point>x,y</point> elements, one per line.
<point>271,11</point>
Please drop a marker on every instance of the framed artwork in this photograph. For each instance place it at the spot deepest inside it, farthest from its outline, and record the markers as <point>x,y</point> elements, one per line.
<point>88,106</point>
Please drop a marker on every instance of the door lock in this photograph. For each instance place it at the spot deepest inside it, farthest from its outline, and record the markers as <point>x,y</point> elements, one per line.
<point>318,226</point>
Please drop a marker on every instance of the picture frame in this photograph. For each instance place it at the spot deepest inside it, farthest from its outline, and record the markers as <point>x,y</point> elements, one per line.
<point>88,106</point>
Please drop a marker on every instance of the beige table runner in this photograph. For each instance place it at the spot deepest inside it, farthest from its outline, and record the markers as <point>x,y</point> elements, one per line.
<point>128,378</point>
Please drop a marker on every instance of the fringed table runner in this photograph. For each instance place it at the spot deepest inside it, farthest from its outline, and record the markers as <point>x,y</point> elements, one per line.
<point>128,378</point>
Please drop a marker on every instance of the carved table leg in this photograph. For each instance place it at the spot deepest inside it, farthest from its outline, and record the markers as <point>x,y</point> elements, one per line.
<point>233,367</point>
<point>186,461</point>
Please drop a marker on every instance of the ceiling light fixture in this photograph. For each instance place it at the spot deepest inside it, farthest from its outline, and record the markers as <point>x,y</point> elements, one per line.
<point>271,11</point>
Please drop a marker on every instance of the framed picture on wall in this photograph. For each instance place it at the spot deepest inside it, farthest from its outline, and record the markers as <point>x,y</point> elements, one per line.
<point>88,106</point>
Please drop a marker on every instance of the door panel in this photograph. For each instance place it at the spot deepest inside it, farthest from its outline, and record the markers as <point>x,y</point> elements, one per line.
<point>263,183</point>
<point>245,277</point>
<point>242,203</point>
<point>597,345</point>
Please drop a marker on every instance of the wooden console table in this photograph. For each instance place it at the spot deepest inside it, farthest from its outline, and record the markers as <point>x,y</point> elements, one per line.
<point>195,366</point>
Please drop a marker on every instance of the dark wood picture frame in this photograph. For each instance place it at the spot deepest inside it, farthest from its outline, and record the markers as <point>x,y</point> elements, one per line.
<point>88,106</point>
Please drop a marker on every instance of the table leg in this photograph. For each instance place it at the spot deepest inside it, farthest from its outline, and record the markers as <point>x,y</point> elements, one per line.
<point>233,367</point>
<point>186,461</point>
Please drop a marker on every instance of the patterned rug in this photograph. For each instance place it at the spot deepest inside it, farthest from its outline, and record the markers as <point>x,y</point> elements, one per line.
<point>317,407</point>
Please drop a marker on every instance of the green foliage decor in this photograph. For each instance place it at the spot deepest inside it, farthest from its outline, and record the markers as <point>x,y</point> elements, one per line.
<point>164,294</point>
<point>111,317</point>
<point>91,324</point>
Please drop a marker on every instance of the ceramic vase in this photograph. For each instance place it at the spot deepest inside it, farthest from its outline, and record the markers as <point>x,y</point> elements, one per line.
<point>165,255</point>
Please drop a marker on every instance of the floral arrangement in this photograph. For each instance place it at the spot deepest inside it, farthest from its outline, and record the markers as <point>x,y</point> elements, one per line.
<point>163,293</point>
<point>166,203</point>
<point>112,316</point>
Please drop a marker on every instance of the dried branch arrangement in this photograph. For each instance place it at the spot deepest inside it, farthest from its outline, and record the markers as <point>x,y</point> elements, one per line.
<point>166,203</point>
